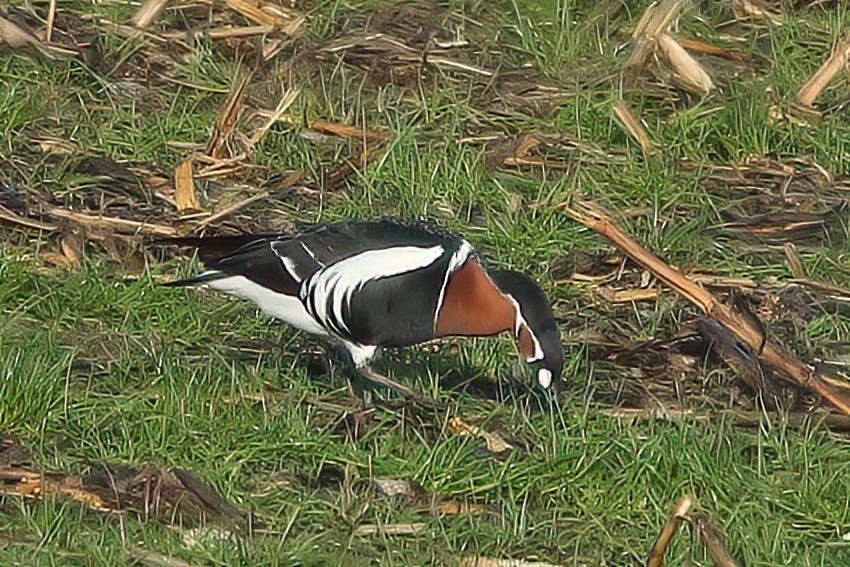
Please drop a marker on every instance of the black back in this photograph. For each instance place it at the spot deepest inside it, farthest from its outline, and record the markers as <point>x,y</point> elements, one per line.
<point>391,311</point>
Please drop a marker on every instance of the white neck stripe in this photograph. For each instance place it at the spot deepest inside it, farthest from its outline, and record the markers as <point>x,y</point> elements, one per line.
<point>457,261</point>
<point>519,323</point>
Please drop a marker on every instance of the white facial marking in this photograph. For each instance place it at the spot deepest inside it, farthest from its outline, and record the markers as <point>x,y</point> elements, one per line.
<point>329,291</point>
<point>544,376</point>
<point>520,323</point>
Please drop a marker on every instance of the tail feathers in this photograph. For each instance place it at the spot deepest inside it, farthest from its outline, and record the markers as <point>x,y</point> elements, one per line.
<point>211,249</point>
<point>200,279</point>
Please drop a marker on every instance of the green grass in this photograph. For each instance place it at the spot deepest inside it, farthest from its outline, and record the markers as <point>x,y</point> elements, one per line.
<point>97,367</point>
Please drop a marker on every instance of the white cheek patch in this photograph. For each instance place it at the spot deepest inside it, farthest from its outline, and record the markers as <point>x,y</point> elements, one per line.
<point>544,376</point>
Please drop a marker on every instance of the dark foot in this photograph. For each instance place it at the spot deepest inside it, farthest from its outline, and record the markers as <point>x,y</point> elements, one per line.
<point>377,378</point>
<point>410,396</point>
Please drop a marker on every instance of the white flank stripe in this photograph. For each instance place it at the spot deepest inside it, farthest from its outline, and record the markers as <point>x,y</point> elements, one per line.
<point>284,307</point>
<point>459,258</point>
<point>329,291</point>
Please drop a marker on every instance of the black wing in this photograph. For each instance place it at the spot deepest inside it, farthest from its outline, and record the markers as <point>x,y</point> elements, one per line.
<point>256,257</point>
<point>337,241</point>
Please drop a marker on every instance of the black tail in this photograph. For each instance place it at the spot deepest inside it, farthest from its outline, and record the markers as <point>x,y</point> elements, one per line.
<point>197,280</point>
<point>211,249</point>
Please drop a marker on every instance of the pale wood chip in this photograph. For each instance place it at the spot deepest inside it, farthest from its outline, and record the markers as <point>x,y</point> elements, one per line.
<point>688,70</point>
<point>149,10</point>
<point>184,187</point>
<point>837,61</point>
<point>391,529</point>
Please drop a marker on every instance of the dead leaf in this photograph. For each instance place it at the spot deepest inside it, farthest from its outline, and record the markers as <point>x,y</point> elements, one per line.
<point>16,36</point>
<point>495,442</point>
<point>758,10</point>
<point>698,46</point>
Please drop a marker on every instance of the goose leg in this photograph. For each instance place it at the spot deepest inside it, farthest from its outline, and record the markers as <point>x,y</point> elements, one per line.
<point>412,399</point>
<point>375,377</point>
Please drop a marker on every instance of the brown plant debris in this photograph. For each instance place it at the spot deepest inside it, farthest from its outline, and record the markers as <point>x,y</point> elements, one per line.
<point>495,442</point>
<point>184,187</point>
<point>834,291</point>
<point>671,527</point>
<point>222,32</point>
<point>17,35</point>
<point>169,495</point>
<point>777,227</point>
<point>793,260</point>
<point>122,226</point>
<point>614,295</point>
<point>422,500</point>
<point>51,21</point>
<point>651,37</point>
<point>367,146</point>
<point>220,145</point>
<point>388,55</point>
<point>390,529</point>
<point>772,201</point>
<point>713,540</point>
<point>269,14</point>
<point>537,150</point>
<point>688,71</point>
<point>711,537</point>
<point>740,418</point>
<point>768,353</point>
<point>759,10</point>
<point>10,216</point>
<point>283,105</point>
<point>491,562</point>
<point>837,61</point>
<point>348,131</point>
<point>744,362</point>
<point>654,22</point>
<point>143,557</point>
<point>698,46</point>
<point>633,126</point>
